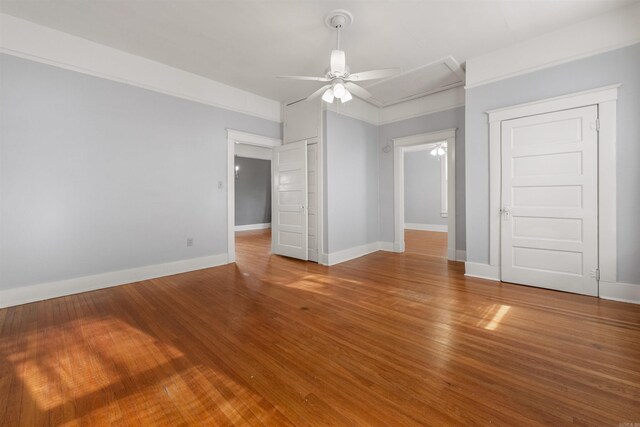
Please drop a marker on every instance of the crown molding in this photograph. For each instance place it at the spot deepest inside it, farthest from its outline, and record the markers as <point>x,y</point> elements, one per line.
<point>42,44</point>
<point>609,31</point>
<point>356,109</point>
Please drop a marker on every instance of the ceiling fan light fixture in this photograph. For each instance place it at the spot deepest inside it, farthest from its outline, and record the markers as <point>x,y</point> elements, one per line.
<point>339,78</point>
<point>346,97</point>
<point>328,96</point>
<point>339,90</point>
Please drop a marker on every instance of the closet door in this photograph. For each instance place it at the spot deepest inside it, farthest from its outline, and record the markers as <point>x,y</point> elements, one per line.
<point>289,216</point>
<point>550,200</point>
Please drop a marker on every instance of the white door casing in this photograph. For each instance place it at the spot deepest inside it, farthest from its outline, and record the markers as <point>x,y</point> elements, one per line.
<point>549,219</point>
<point>399,146</point>
<point>605,98</point>
<point>289,213</point>
<point>312,197</point>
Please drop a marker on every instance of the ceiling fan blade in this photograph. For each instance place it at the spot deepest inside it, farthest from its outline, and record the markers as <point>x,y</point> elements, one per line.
<point>318,92</point>
<point>358,91</point>
<point>374,74</point>
<point>338,62</point>
<point>316,79</point>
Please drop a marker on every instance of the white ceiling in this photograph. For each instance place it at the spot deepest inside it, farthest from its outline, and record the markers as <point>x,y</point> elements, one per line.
<point>247,43</point>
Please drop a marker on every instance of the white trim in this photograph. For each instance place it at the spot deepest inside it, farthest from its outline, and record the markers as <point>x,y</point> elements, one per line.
<point>352,253</point>
<point>356,109</point>
<point>360,251</point>
<point>323,259</point>
<point>43,291</point>
<point>482,271</point>
<point>605,98</point>
<point>320,141</point>
<point>399,144</point>
<point>418,148</point>
<point>386,246</point>
<point>426,227</point>
<point>241,137</point>
<point>429,104</point>
<point>444,184</point>
<point>562,102</point>
<point>605,32</point>
<point>249,227</point>
<point>42,44</point>
<point>624,292</point>
<point>234,136</point>
<point>607,192</point>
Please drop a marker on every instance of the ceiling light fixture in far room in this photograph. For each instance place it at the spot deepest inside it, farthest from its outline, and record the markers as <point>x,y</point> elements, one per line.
<point>439,150</point>
<point>339,78</point>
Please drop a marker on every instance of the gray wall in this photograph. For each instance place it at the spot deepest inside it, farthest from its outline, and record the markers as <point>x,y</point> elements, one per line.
<point>99,176</point>
<point>422,188</point>
<point>253,191</point>
<point>351,182</point>
<point>618,66</point>
<point>453,118</point>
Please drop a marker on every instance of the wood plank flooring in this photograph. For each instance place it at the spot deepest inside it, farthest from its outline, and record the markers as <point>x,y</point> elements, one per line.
<point>387,339</point>
<point>431,243</point>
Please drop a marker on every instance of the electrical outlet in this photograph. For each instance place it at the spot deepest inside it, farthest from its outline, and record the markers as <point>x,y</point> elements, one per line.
<point>189,241</point>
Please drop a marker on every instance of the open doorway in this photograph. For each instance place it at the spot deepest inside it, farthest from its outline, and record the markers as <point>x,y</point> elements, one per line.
<point>249,193</point>
<point>426,199</point>
<point>252,170</point>
<point>440,146</point>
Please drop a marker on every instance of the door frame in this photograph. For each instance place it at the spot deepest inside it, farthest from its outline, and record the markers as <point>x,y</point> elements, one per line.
<point>605,99</point>
<point>399,147</point>
<point>238,137</point>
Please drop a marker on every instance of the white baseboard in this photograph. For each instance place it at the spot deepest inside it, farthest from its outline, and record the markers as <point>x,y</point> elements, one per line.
<point>252,227</point>
<point>461,255</point>
<point>323,259</point>
<point>482,271</point>
<point>352,253</point>
<point>43,291</point>
<point>387,246</point>
<point>624,292</point>
<point>426,227</point>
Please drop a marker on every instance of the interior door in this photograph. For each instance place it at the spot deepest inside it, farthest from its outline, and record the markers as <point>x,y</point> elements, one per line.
<point>550,200</point>
<point>289,219</point>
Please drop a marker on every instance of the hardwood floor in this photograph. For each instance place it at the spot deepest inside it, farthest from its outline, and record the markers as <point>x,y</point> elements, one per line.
<point>431,243</point>
<point>387,339</point>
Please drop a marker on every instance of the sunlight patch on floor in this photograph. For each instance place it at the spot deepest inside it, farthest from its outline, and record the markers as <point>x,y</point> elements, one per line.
<point>494,316</point>
<point>52,371</point>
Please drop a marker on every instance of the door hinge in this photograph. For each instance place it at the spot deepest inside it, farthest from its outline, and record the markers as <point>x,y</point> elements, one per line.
<point>597,125</point>
<point>595,273</point>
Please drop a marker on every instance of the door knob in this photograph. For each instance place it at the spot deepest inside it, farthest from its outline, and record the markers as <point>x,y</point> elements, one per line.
<point>506,213</point>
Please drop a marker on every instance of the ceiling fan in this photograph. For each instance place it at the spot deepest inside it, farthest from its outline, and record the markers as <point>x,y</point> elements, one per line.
<point>339,78</point>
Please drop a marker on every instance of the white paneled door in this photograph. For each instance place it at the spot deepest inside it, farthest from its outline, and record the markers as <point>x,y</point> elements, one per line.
<point>550,200</point>
<point>289,219</point>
